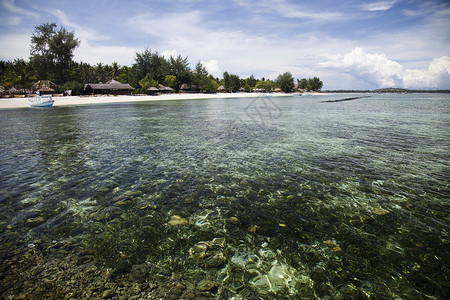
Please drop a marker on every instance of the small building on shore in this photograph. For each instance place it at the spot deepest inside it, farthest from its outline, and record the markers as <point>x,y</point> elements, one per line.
<point>112,87</point>
<point>44,87</point>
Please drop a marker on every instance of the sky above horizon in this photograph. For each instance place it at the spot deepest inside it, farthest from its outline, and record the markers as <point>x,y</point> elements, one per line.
<point>350,44</point>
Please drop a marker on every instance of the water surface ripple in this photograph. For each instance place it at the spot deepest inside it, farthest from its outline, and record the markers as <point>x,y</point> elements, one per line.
<point>259,198</point>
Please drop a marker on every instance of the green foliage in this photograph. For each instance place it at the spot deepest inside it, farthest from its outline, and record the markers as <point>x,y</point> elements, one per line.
<point>52,51</point>
<point>310,84</point>
<point>303,83</point>
<point>316,83</point>
<point>19,74</point>
<point>171,81</point>
<point>285,82</point>
<point>232,83</point>
<point>250,82</point>
<point>51,57</point>
<point>151,63</point>
<point>265,85</point>
<point>147,82</point>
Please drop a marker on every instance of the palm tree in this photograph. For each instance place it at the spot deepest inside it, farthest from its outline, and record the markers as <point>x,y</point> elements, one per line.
<point>20,74</point>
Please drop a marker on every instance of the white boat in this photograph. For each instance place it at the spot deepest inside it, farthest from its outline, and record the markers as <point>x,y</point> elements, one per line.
<point>41,101</point>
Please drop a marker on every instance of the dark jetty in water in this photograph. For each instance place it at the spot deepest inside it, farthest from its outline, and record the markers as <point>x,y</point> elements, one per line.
<point>346,99</point>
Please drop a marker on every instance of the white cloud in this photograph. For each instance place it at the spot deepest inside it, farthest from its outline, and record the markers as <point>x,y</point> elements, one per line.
<point>170,53</point>
<point>378,69</point>
<point>379,5</point>
<point>82,32</point>
<point>289,10</point>
<point>94,54</point>
<point>10,6</point>
<point>212,67</point>
<point>14,46</point>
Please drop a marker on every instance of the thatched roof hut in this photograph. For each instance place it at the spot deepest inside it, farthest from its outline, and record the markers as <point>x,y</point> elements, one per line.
<point>13,90</point>
<point>166,89</point>
<point>110,87</point>
<point>44,87</point>
<point>152,90</point>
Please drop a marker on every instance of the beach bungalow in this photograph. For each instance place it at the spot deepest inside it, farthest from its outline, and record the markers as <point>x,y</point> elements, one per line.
<point>152,90</point>
<point>112,87</point>
<point>44,87</point>
<point>165,89</point>
<point>259,91</point>
<point>186,88</point>
<point>221,89</point>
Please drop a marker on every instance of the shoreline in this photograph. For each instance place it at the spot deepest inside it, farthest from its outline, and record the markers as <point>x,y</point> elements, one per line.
<point>105,99</point>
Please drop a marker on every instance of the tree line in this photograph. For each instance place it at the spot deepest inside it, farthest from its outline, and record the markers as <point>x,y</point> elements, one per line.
<point>51,58</point>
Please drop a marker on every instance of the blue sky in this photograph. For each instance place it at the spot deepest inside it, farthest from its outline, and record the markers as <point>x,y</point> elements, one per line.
<point>348,44</point>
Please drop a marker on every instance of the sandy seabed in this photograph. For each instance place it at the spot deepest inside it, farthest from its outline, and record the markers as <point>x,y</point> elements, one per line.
<point>103,99</point>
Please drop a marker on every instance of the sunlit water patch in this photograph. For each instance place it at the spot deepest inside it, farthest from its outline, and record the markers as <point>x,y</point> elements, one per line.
<point>261,198</point>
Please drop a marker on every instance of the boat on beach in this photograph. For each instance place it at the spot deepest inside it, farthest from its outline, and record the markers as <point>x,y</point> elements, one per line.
<point>41,101</point>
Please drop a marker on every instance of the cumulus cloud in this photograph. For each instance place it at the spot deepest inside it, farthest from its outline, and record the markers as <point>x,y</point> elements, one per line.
<point>167,54</point>
<point>380,70</point>
<point>212,67</point>
<point>94,54</point>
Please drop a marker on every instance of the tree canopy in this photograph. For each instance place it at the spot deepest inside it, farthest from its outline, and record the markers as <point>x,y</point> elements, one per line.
<point>285,82</point>
<point>51,58</point>
<point>52,51</point>
<point>311,84</point>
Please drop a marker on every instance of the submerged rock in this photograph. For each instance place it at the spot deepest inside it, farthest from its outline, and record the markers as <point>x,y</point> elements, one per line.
<point>214,259</point>
<point>125,199</point>
<point>176,220</point>
<point>107,213</point>
<point>381,211</point>
<point>36,221</point>
<point>333,246</point>
<point>278,278</point>
<point>253,228</point>
<point>330,243</point>
<point>144,205</point>
<point>209,253</point>
<point>198,251</point>
<point>220,242</point>
<point>207,285</point>
<point>108,294</point>
<point>233,221</point>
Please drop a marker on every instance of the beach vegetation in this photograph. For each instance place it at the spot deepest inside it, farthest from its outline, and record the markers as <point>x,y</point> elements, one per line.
<point>231,82</point>
<point>250,82</point>
<point>147,82</point>
<point>19,74</point>
<point>266,85</point>
<point>285,82</point>
<point>51,58</point>
<point>52,51</point>
<point>171,81</point>
<point>310,84</point>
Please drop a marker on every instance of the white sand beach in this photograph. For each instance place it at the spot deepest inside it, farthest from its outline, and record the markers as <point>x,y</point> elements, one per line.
<point>104,99</point>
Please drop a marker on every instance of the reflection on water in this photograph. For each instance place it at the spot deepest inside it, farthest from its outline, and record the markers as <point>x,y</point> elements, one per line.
<point>264,198</point>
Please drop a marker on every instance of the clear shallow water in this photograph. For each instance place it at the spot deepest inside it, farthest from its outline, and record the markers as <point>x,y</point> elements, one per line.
<point>265,198</point>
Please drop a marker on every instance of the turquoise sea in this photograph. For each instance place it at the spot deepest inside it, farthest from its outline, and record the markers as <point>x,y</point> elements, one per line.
<point>256,198</point>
